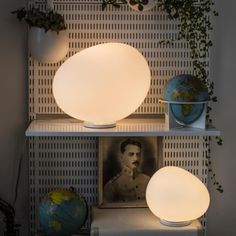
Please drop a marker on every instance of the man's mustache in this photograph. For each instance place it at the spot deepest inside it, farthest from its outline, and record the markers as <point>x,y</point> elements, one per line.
<point>135,162</point>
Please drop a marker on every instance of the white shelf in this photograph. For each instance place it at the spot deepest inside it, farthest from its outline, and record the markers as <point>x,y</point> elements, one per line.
<point>126,127</point>
<point>138,222</point>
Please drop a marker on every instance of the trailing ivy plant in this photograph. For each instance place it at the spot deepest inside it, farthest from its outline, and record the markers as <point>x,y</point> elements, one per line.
<point>48,20</point>
<point>193,22</point>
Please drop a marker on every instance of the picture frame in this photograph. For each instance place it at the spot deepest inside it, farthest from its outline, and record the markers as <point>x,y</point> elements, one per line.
<point>125,166</point>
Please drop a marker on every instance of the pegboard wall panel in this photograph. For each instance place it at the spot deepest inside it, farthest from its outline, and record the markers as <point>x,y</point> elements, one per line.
<point>61,162</point>
<point>188,152</point>
<point>88,25</point>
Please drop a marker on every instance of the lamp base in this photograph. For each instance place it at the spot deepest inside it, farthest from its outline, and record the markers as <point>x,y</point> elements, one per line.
<point>175,224</point>
<point>99,126</point>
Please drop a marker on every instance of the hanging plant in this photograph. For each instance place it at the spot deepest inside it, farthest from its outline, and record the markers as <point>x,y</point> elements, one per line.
<point>48,39</point>
<point>193,22</point>
<point>47,20</point>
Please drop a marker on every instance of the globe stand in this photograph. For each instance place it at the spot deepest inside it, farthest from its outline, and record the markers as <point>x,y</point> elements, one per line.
<point>171,122</point>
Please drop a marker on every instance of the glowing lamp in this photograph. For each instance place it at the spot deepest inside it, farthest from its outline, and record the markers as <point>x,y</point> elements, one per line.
<point>102,84</point>
<point>176,196</point>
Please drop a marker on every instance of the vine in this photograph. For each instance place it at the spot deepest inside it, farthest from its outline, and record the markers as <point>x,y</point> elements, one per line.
<point>48,20</point>
<point>193,22</point>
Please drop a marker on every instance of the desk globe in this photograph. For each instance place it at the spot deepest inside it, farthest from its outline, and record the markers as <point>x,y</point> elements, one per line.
<point>182,89</point>
<point>62,213</point>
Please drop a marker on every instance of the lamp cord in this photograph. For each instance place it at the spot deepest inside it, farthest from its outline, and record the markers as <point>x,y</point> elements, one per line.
<point>19,170</point>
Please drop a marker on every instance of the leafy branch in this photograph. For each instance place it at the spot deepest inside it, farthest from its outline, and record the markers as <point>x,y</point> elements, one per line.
<point>114,3</point>
<point>212,175</point>
<point>48,20</point>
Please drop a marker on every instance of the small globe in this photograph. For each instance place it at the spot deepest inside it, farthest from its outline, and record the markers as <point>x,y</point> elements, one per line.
<point>62,213</point>
<point>186,88</point>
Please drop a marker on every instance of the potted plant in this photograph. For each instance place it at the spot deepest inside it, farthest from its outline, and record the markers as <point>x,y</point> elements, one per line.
<point>48,39</point>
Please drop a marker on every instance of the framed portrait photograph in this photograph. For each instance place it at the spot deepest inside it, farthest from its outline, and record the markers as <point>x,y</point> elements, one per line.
<point>126,165</point>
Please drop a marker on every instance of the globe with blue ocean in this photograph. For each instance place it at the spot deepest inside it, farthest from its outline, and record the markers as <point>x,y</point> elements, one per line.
<point>186,88</point>
<point>62,213</point>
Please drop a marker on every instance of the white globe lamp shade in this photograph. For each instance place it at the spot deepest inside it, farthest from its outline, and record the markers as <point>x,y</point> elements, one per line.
<point>102,84</point>
<point>176,196</point>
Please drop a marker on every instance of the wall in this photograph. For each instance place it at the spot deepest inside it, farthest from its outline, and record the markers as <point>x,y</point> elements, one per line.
<point>13,104</point>
<point>221,217</point>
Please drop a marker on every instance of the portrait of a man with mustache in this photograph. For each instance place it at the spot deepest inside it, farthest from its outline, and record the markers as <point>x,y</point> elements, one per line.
<point>129,185</point>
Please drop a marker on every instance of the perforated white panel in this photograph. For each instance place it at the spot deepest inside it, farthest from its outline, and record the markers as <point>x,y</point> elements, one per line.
<point>88,25</point>
<point>61,162</point>
<point>188,152</point>
<point>72,161</point>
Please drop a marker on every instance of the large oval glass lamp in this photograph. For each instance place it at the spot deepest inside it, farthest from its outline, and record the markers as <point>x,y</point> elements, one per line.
<point>176,196</point>
<point>102,84</point>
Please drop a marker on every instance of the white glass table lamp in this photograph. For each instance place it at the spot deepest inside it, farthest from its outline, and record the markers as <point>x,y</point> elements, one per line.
<point>102,84</point>
<point>176,196</point>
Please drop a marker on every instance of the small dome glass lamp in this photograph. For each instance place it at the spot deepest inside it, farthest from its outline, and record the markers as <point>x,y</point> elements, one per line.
<point>176,196</point>
<point>102,84</point>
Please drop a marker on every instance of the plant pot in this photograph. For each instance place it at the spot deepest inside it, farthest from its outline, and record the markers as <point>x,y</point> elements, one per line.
<point>48,47</point>
<point>151,4</point>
